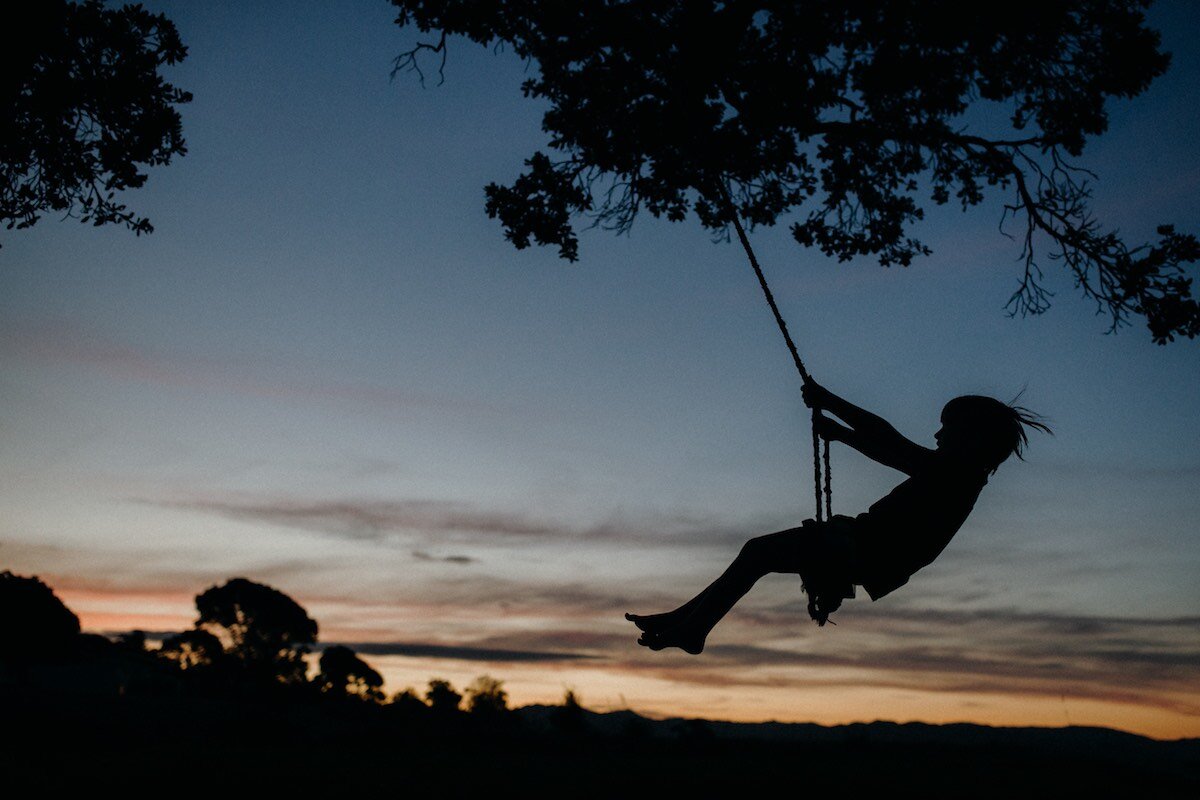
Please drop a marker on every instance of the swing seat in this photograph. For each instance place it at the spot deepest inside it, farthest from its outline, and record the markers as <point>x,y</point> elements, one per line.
<point>828,581</point>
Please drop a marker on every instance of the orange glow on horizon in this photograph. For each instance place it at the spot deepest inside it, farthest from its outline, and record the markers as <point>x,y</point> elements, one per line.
<point>604,688</point>
<point>608,687</point>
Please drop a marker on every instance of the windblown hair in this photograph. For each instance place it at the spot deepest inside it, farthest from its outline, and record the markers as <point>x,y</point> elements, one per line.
<point>996,430</point>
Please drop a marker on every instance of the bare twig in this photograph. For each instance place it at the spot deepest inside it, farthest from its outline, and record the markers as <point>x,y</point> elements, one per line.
<point>409,60</point>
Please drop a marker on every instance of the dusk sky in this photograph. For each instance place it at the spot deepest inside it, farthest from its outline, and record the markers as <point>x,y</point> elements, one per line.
<point>326,370</point>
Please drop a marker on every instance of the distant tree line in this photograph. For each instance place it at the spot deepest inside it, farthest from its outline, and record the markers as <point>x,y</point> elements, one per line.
<point>248,638</point>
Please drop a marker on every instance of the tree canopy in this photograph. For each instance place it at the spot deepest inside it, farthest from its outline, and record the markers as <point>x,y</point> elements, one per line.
<point>192,649</point>
<point>269,632</point>
<point>851,114</point>
<point>441,696</point>
<point>82,107</point>
<point>486,695</point>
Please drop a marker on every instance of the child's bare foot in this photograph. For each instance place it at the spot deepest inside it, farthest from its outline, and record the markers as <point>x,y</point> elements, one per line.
<point>685,639</point>
<point>653,623</point>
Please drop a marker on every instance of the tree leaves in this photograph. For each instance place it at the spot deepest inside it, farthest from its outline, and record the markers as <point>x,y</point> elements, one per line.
<point>82,107</point>
<point>850,114</point>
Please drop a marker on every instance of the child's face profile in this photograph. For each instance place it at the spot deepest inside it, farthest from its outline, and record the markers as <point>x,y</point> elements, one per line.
<point>942,438</point>
<point>961,435</point>
<point>953,436</point>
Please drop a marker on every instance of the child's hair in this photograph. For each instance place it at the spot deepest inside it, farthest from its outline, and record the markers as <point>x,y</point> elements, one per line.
<point>997,430</point>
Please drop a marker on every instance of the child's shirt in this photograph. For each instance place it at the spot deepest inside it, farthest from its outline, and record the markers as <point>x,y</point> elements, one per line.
<point>909,527</point>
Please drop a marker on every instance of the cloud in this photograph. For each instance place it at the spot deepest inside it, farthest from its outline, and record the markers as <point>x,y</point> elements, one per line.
<point>1153,662</point>
<point>376,520</point>
<point>369,520</point>
<point>60,341</point>
<point>460,591</point>
<point>423,556</point>
<point>151,636</point>
<point>1041,621</point>
<point>461,652</point>
<point>1024,655</point>
<point>1148,661</point>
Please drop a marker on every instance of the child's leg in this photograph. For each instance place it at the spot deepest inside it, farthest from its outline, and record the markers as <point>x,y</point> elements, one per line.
<point>688,626</point>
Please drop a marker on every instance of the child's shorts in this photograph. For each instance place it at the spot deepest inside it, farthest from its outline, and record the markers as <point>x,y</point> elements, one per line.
<point>830,559</point>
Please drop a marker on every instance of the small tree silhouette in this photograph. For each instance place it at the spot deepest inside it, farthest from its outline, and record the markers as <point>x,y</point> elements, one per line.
<point>269,632</point>
<point>569,717</point>
<point>344,674</point>
<point>36,624</point>
<point>442,698</point>
<point>486,695</point>
<point>192,649</point>
<point>408,703</point>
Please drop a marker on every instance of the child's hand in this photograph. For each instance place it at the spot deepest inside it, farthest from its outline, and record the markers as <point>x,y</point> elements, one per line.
<point>831,430</point>
<point>815,395</point>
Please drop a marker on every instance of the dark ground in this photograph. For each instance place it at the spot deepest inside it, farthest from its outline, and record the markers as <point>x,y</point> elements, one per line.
<point>216,746</point>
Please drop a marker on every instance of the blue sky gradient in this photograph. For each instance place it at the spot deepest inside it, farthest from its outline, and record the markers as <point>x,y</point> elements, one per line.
<point>327,370</point>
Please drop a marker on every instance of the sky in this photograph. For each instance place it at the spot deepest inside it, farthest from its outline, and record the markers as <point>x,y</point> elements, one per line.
<point>327,371</point>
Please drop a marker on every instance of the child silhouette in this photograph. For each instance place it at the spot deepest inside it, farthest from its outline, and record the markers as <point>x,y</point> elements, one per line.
<point>881,548</point>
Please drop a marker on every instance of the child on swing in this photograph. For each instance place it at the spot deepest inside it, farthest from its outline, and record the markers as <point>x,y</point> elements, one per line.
<point>881,548</point>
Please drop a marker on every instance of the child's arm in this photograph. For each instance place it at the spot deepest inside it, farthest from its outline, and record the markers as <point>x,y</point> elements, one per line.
<point>871,435</point>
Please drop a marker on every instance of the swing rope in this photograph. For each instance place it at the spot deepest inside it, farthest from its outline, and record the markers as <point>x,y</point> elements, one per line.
<point>818,451</point>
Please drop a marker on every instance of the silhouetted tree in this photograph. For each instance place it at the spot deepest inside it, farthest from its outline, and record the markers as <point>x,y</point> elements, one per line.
<point>132,640</point>
<point>407,702</point>
<point>486,695</point>
<point>192,649</point>
<point>35,623</point>
<point>569,717</point>
<point>441,697</point>
<point>82,107</point>
<point>269,632</point>
<point>343,673</point>
<point>841,111</point>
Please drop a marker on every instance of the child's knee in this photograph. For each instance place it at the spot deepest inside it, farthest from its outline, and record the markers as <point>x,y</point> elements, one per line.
<point>762,550</point>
